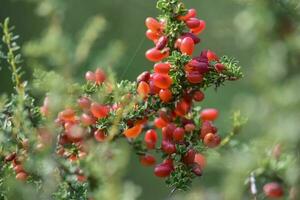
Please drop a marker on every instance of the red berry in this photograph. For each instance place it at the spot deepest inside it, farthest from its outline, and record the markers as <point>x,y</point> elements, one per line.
<point>165,95</point>
<point>90,76</point>
<point>198,95</point>
<point>273,190</point>
<point>99,76</point>
<point>189,127</point>
<point>156,55</point>
<point>160,123</point>
<point>200,160</point>
<point>22,176</point>
<point>87,119</point>
<point>178,134</point>
<point>194,77</point>
<point>145,76</point>
<point>191,13</point>
<point>193,23</point>
<point>182,108</point>
<point>189,157</point>
<point>162,81</point>
<point>209,114</point>
<point>99,111</point>
<point>212,140</point>
<point>18,168</point>
<point>10,157</point>
<point>167,131</point>
<point>207,127</point>
<point>162,170</point>
<point>187,46</point>
<point>143,89</point>
<point>219,67</point>
<point>134,131</point>
<point>168,147</point>
<point>99,135</point>
<point>200,28</point>
<point>197,66</point>
<point>212,56</point>
<point>151,35</point>
<point>150,139</point>
<point>191,35</point>
<point>153,25</point>
<point>68,115</point>
<point>161,43</point>
<point>147,160</point>
<point>162,68</point>
<point>84,103</point>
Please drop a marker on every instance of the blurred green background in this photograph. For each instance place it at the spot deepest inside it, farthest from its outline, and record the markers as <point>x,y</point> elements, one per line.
<point>125,24</point>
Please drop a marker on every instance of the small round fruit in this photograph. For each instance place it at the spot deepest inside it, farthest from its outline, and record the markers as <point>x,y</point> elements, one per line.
<point>165,95</point>
<point>178,134</point>
<point>273,190</point>
<point>99,135</point>
<point>143,89</point>
<point>162,170</point>
<point>209,114</point>
<point>150,138</point>
<point>162,81</point>
<point>147,160</point>
<point>187,46</point>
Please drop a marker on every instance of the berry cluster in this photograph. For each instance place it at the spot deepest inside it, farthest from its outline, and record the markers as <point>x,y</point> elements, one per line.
<point>163,104</point>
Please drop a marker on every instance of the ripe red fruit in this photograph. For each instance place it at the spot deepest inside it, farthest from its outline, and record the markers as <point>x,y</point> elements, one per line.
<point>200,28</point>
<point>134,131</point>
<point>99,111</point>
<point>150,139</point>
<point>162,68</point>
<point>197,170</point>
<point>99,76</point>
<point>182,108</point>
<point>165,95</point>
<point>147,160</point>
<point>193,23</point>
<point>209,114</point>
<point>21,176</point>
<point>212,56</point>
<point>156,55</point>
<point>191,13</point>
<point>212,140</point>
<point>18,168</point>
<point>90,76</point>
<point>198,95</point>
<point>189,157</point>
<point>219,67</point>
<point>10,157</point>
<point>162,81</point>
<point>167,131</point>
<point>189,127</point>
<point>200,160</point>
<point>163,170</point>
<point>197,66</point>
<point>143,89</point>
<point>145,76</point>
<point>168,147</point>
<point>191,35</point>
<point>160,123</point>
<point>207,127</point>
<point>87,119</point>
<point>178,134</point>
<point>194,77</point>
<point>187,46</point>
<point>273,190</point>
<point>68,115</point>
<point>84,103</point>
<point>153,25</point>
<point>161,43</point>
<point>151,35</point>
<point>99,135</point>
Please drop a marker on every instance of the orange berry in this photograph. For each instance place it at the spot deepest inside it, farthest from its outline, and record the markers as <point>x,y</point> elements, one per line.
<point>143,89</point>
<point>133,132</point>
